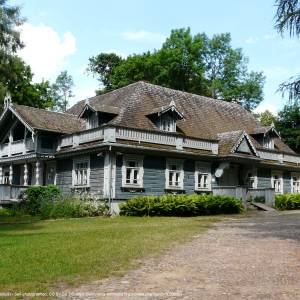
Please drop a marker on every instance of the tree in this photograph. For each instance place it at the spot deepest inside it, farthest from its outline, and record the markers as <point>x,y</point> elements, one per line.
<point>15,75</point>
<point>288,19</point>
<point>288,124</point>
<point>267,118</point>
<point>196,64</point>
<point>62,91</point>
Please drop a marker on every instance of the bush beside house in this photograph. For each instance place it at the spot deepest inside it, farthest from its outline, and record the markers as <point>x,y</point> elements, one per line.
<point>287,201</point>
<point>181,205</point>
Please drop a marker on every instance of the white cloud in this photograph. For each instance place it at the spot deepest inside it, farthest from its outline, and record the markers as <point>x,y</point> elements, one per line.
<point>118,52</point>
<point>143,35</point>
<point>269,36</point>
<point>266,106</point>
<point>45,51</point>
<point>251,40</point>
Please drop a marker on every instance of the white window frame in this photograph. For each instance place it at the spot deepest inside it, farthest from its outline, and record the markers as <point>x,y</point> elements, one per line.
<point>167,123</point>
<point>88,172</point>
<point>295,185</point>
<point>268,142</point>
<point>202,169</point>
<point>139,160</point>
<point>274,182</point>
<point>253,178</point>
<point>179,164</point>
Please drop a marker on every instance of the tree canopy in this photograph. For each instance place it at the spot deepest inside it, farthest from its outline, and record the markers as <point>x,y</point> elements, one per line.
<point>192,63</point>
<point>287,18</point>
<point>15,75</point>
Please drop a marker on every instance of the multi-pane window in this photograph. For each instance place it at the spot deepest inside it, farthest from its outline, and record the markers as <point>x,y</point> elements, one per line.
<point>295,183</point>
<point>6,177</point>
<point>268,142</point>
<point>167,123</point>
<point>81,173</point>
<point>202,176</point>
<point>132,171</point>
<point>277,182</point>
<point>174,174</point>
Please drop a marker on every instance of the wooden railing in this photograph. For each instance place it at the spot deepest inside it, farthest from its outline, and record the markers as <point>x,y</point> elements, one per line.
<point>279,157</point>
<point>17,147</point>
<point>111,134</point>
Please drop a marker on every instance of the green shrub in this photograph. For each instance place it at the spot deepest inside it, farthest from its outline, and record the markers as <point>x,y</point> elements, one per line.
<point>72,208</point>
<point>36,196</point>
<point>181,205</point>
<point>287,201</point>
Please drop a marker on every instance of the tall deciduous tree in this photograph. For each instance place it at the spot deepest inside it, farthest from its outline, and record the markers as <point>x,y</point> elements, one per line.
<point>62,91</point>
<point>192,63</point>
<point>15,75</point>
<point>288,19</point>
<point>288,124</point>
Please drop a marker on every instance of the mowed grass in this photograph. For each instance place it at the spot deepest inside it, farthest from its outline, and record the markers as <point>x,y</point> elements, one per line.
<point>42,255</point>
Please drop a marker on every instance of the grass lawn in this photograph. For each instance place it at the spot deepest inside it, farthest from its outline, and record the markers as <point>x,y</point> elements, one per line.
<point>37,256</point>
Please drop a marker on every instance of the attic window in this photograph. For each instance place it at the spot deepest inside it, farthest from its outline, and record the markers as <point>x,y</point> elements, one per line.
<point>167,123</point>
<point>268,142</point>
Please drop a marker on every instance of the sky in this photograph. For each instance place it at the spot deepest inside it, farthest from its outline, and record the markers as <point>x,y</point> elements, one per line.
<point>62,34</point>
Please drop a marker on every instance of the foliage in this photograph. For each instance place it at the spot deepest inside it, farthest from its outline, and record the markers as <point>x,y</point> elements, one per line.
<point>15,75</point>
<point>73,208</point>
<point>192,63</point>
<point>181,205</point>
<point>36,196</point>
<point>267,118</point>
<point>288,124</point>
<point>288,19</point>
<point>287,201</point>
<point>62,91</point>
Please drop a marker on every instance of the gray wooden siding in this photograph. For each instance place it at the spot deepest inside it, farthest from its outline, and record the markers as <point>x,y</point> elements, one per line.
<point>97,174</point>
<point>263,178</point>
<point>286,182</point>
<point>64,175</point>
<point>154,178</point>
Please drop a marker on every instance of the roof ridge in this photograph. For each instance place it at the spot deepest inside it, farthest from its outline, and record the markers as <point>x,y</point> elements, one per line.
<point>43,109</point>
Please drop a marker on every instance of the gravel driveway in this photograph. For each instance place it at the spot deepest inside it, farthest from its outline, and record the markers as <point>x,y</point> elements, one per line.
<point>249,258</point>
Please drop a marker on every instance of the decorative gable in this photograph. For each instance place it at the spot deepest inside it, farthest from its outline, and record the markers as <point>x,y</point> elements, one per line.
<point>244,145</point>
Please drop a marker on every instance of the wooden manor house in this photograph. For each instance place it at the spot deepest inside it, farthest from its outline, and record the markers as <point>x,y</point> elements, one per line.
<point>144,139</point>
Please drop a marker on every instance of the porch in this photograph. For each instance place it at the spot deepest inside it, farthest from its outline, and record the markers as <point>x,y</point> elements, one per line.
<point>16,177</point>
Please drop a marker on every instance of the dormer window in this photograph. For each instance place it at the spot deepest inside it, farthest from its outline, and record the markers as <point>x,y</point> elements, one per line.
<point>92,121</point>
<point>165,118</point>
<point>268,142</point>
<point>167,123</point>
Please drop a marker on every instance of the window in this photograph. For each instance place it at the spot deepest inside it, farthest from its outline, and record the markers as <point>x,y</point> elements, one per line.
<point>295,183</point>
<point>202,176</point>
<point>6,177</point>
<point>132,171</point>
<point>174,174</point>
<point>92,121</point>
<point>277,182</point>
<point>167,123</point>
<point>268,142</point>
<point>81,172</point>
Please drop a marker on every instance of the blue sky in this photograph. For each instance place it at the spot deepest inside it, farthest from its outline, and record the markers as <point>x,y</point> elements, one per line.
<point>63,34</point>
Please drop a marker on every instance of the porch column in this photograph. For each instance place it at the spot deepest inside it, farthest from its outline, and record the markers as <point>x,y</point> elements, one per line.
<point>37,172</point>
<point>25,174</point>
<point>1,175</point>
<point>11,173</point>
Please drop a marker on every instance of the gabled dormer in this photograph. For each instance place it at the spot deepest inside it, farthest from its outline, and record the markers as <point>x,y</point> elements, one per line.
<point>165,118</point>
<point>97,115</point>
<point>267,136</point>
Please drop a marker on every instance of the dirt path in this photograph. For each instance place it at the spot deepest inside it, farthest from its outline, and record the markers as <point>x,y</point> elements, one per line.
<point>255,258</point>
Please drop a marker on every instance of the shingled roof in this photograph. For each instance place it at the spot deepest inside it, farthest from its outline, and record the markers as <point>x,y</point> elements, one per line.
<point>47,120</point>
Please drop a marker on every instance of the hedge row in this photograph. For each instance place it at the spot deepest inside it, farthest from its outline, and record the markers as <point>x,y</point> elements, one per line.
<point>287,201</point>
<point>181,205</point>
